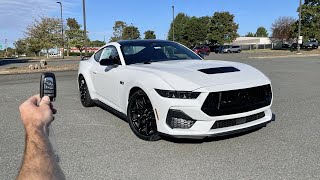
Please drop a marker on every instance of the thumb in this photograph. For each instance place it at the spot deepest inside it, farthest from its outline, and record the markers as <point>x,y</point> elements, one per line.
<point>45,101</point>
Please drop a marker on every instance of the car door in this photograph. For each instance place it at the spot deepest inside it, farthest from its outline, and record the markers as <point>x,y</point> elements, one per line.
<point>106,77</point>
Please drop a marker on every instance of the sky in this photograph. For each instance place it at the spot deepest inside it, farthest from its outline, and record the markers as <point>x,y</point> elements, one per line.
<point>156,15</point>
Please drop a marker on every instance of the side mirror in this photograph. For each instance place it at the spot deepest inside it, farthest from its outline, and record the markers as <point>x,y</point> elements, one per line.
<point>109,62</point>
<point>106,62</point>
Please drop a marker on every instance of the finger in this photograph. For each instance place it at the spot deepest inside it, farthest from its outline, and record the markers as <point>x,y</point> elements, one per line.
<point>34,99</point>
<point>54,111</point>
<point>45,101</point>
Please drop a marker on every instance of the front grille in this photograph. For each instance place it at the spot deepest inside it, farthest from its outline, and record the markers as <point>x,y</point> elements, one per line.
<point>237,121</point>
<point>177,119</point>
<point>237,101</point>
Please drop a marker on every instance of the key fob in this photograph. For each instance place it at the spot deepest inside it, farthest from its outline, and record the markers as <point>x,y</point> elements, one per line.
<point>48,85</point>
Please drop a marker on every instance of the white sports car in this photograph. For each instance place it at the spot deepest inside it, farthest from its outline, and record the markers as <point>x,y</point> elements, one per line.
<point>163,88</point>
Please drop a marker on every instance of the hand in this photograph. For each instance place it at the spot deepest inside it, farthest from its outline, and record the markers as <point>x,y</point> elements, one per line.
<point>37,113</point>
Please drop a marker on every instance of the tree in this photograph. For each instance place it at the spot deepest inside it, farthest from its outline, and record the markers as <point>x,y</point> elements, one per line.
<point>196,31</point>
<point>97,43</point>
<point>250,34</point>
<point>149,35</point>
<point>75,35</point>
<point>130,32</point>
<point>46,32</point>
<point>282,28</point>
<point>262,32</point>
<point>118,28</point>
<point>222,28</point>
<point>21,46</point>
<point>72,23</point>
<point>33,45</point>
<point>310,20</point>
<point>180,26</point>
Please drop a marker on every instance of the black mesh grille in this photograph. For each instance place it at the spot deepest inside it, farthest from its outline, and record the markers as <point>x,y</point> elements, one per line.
<point>178,119</point>
<point>237,121</point>
<point>237,101</point>
<point>181,123</point>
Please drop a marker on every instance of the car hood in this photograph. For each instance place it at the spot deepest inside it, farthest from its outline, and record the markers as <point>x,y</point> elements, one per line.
<point>189,75</point>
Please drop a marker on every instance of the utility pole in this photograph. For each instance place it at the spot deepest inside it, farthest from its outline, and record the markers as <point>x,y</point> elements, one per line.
<point>84,27</point>
<point>62,39</point>
<point>299,29</point>
<point>172,22</point>
<point>6,45</point>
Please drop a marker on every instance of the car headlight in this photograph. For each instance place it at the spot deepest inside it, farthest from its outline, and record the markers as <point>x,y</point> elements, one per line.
<point>178,94</point>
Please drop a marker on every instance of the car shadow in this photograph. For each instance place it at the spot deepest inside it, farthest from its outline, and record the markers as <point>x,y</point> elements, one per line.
<point>114,112</point>
<point>212,139</point>
<point>7,61</point>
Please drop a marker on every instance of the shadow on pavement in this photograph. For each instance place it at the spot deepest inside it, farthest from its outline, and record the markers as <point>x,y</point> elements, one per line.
<point>114,112</point>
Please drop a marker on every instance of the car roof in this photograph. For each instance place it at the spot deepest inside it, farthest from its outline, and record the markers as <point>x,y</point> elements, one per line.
<point>128,42</point>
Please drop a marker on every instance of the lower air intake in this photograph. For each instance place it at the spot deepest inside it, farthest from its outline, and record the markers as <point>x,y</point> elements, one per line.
<point>237,121</point>
<point>179,120</point>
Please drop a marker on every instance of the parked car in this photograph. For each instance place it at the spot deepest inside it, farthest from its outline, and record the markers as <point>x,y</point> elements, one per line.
<point>201,50</point>
<point>286,46</point>
<point>223,49</point>
<point>311,44</point>
<point>163,88</point>
<point>235,49</point>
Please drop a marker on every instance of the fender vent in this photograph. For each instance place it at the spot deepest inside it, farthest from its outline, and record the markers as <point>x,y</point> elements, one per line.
<point>219,70</point>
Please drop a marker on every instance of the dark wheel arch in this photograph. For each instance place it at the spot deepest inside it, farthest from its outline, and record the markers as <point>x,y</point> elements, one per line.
<point>141,117</point>
<point>85,97</point>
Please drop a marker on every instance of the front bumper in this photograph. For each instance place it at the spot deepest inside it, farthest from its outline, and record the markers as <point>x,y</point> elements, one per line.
<point>203,123</point>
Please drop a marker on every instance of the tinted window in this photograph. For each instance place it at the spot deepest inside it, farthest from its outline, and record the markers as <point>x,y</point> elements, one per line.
<point>154,51</point>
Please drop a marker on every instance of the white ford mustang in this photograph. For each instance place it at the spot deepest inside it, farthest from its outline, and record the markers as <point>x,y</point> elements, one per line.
<point>164,88</point>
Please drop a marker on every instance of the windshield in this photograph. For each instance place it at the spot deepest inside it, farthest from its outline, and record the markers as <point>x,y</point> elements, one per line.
<point>154,51</point>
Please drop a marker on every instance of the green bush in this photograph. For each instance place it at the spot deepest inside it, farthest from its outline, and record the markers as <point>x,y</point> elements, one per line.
<point>78,54</point>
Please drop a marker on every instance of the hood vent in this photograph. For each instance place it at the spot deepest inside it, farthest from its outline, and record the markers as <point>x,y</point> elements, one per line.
<point>219,70</point>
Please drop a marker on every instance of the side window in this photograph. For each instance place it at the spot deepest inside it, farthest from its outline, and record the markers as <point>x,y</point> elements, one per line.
<point>110,53</point>
<point>106,53</point>
<point>97,55</point>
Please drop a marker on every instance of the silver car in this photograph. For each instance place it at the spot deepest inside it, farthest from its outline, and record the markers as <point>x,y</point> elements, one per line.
<point>235,49</point>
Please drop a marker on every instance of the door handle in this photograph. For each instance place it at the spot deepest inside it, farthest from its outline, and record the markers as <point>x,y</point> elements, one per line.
<point>94,72</point>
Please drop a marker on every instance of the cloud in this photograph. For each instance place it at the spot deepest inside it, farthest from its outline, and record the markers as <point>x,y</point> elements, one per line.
<point>17,14</point>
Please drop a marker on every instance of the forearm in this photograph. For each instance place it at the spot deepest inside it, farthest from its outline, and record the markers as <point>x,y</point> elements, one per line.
<point>39,161</point>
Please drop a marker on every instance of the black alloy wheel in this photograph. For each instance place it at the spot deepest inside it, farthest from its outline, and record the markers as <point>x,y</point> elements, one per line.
<point>85,97</point>
<point>141,117</point>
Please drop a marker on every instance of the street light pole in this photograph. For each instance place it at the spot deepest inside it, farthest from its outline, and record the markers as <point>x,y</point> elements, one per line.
<point>6,45</point>
<point>84,27</point>
<point>173,23</point>
<point>62,38</point>
<point>299,29</point>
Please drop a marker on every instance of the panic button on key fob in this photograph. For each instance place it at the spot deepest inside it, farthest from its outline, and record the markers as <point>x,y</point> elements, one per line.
<point>48,86</point>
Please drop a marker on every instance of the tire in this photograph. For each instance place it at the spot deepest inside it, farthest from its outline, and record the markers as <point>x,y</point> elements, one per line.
<point>85,97</point>
<point>229,51</point>
<point>141,117</point>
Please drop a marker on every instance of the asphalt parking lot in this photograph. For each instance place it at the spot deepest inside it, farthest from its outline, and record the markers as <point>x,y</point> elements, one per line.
<point>95,144</point>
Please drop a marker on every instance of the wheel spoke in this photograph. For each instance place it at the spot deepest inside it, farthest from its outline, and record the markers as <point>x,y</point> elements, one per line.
<point>142,116</point>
